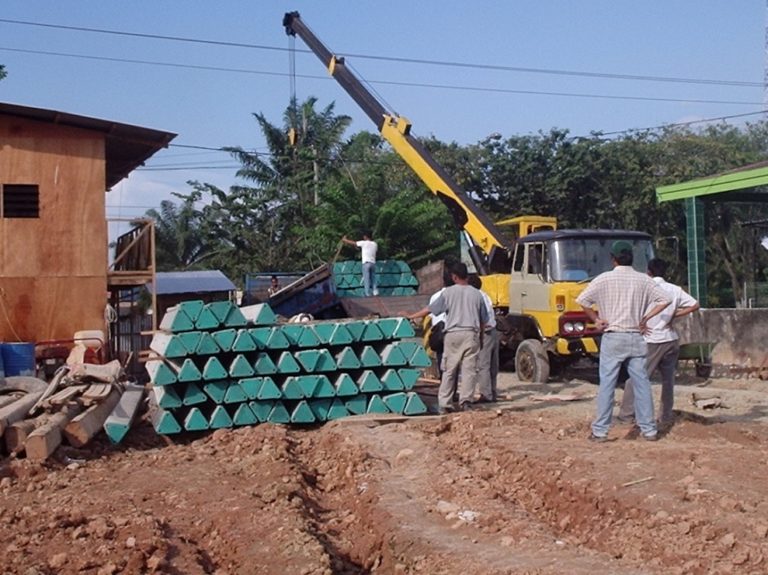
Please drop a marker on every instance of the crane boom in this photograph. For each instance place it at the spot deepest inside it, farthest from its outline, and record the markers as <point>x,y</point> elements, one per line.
<point>396,130</point>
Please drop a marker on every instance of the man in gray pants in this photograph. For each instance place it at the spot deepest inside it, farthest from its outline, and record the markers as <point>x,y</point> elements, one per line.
<point>663,346</point>
<point>466,316</point>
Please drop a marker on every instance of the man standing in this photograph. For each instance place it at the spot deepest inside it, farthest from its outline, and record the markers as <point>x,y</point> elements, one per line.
<point>465,319</point>
<point>663,346</point>
<point>626,300</point>
<point>488,361</point>
<point>368,254</point>
<point>274,286</point>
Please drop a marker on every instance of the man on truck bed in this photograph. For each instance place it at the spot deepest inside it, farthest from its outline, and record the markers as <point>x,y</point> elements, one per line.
<point>368,255</point>
<point>627,299</point>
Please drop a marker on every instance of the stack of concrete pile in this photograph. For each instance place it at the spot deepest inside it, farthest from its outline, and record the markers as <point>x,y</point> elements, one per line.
<point>216,365</point>
<point>393,277</point>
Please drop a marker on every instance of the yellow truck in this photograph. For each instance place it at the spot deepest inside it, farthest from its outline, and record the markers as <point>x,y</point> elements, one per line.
<point>532,273</point>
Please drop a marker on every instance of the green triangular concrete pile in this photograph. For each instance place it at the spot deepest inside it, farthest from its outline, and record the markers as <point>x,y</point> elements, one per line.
<point>216,365</point>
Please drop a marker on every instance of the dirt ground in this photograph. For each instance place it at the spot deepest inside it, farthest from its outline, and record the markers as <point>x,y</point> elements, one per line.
<point>514,488</point>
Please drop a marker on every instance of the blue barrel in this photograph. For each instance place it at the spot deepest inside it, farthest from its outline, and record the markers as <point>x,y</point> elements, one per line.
<point>18,358</point>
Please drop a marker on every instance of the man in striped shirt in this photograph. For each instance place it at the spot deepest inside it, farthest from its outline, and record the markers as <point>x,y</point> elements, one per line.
<point>626,300</point>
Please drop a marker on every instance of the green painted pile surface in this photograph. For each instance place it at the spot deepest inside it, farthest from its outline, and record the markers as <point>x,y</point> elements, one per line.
<point>224,366</point>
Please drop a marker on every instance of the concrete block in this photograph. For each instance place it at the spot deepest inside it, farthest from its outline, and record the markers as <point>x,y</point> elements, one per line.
<point>225,338</point>
<point>369,382</point>
<point>160,373</point>
<point>396,402</point>
<point>324,387</point>
<point>220,418</point>
<point>347,359</point>
<point>195,420</point>
<point>369,357</point>
<point>251,386</point>
<point>243,342</point>
<point>263,365</point>
<point>244,415</point>
<point>166,397</point>
<point>207,345</point>
<point>188,372</point>
<point>290,388</point>
<point>372,332</point>
<point>207,320</point>
<point>279,414</point>
<point>192,308</point>
<point>260,336</point>
<point>356,404</point>
<point>391,380</point>
<point>286,363</point>
<point>340,335</point>
<point>376,405</point>
<point>168,345</point>
<point>259,314</point>
<point>409,377</point>
<point>268,390</point>
<point>261,409</point>
<point>404,329</point>
<point>193,395</point>
<point>164,423</point>
<point>302,413</point>
<point>420,358</point>
<point>240,367</point>
<point>277,339</point>
<point>214,370</point>
<point>392,355</point>
<point>216,390</point>
<point>235,394</point>
<point>345,385</point>
<point>175,320</point>
<point>414,405</point>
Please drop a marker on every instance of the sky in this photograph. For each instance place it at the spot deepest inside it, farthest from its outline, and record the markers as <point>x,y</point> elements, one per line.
<point>474,69</point>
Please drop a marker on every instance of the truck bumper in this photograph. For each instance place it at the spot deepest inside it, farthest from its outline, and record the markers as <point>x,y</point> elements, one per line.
<point>577,346</point>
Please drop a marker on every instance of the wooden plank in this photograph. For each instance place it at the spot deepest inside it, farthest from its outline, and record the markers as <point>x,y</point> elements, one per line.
<point>121,418</point>
<point>44,440</point>
<point>10,398</point>
<point>65,395</point>
<point>17,410</point>
<point>16,434</point>
<point>84,426</point>
<point>97,393</point>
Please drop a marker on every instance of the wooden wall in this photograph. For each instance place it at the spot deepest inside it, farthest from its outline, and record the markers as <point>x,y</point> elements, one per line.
<point>53,270</point>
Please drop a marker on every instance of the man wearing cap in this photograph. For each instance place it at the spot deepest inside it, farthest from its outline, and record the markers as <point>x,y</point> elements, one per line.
<point>626,300</point>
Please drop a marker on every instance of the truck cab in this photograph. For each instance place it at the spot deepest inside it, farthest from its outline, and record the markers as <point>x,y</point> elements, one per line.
<point>544,325</point>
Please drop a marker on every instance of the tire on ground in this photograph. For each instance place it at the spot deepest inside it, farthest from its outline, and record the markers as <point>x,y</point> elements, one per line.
<point>531,361</point>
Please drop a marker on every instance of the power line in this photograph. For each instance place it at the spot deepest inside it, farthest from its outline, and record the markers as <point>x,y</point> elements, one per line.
<point>397,83</point>
<point>455,64</point>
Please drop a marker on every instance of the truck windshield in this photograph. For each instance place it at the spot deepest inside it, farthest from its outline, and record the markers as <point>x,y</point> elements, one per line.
<point>581,259</point>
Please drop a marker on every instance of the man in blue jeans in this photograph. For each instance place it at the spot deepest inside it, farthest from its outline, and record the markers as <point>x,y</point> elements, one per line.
<point>368,250</point>
<point>626,300</point>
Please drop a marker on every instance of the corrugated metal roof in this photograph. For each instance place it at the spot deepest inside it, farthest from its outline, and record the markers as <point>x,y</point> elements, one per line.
<point>192,282</point>
<point>127,146</point>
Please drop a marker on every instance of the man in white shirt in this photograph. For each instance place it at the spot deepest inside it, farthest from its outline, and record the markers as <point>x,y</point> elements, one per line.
<point>368,250</point>
<point>663,346</point>
<point>488,360</point>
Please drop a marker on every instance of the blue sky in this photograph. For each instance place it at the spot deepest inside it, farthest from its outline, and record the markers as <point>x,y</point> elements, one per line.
<point>682,39</point>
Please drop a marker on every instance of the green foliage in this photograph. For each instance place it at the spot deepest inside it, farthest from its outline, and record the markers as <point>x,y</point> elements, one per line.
<point>179,240</point>
<point>295,202</point>
<point>3,73</point>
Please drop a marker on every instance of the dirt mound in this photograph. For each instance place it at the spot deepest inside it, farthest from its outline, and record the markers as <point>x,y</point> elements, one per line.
<point>487,492</point>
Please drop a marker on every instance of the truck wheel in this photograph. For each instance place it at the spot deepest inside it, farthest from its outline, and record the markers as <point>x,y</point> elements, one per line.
<point>531,361</point>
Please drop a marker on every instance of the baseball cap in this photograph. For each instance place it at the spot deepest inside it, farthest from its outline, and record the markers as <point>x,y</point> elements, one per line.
<point>620,246</point>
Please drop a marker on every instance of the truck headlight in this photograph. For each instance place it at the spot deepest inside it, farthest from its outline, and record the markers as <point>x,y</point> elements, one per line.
<point>568,327</point>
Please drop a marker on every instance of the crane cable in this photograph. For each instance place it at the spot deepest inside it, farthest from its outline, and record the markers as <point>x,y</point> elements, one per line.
<point>292,83</point>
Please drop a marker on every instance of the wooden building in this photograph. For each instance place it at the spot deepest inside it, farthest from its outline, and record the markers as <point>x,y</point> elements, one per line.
<point>54,171</point>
